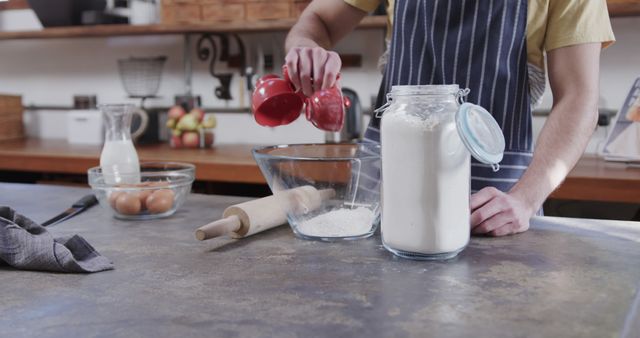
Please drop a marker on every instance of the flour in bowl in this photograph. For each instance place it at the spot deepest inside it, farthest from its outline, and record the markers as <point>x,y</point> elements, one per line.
<point>338,223</point>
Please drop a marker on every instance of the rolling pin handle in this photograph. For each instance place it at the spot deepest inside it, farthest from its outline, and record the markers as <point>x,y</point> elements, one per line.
<point>219,228</point>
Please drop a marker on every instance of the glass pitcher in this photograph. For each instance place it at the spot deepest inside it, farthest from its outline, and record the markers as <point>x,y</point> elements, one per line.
<point>119,159</point>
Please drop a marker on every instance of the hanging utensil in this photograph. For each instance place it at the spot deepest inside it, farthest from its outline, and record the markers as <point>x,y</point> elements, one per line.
<point>205,53</point>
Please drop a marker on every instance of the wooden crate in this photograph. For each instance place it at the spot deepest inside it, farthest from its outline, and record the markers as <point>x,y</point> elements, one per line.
<point>207,11</point>
<point>10,105</point>
<point>212,12</point>
<point>11,128</point>
<point>299,6</point>
<point>270,10</point>
<point>11,117</point>
<point>181,13</point>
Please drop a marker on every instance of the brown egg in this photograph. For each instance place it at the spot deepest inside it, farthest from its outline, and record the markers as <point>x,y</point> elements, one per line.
<point>160,201</point>
<point>113,196</point>
<point>143,195</point>
<point>128,204</point>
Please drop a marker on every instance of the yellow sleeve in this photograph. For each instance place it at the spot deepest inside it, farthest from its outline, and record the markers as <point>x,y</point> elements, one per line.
<point>365,5</point>
<point>573,22</point>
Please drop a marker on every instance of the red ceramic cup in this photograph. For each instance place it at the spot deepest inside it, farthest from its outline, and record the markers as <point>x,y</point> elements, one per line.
<point>326,109</point>
<point>274,101</point>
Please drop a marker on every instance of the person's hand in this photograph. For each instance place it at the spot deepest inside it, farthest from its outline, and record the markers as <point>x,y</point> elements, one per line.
<point>496,213</point>
<point>312,69</point>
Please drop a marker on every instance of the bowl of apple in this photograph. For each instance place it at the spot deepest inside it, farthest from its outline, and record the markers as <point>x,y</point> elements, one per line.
<point>190,130</point>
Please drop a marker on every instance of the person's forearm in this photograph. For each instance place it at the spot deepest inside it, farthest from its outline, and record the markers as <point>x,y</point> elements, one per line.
<point>561,143</point>
<point>323,23</point>
<point>573,76</point>
<point>309,31</point>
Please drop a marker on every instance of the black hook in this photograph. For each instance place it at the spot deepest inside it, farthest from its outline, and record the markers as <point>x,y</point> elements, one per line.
<point>210,52</point>
<point>224,42</point>
<point>242,54</point>
<point>205,52</point>
<point>222,92</point>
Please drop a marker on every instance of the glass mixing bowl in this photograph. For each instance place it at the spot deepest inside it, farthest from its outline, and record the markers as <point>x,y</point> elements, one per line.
<point>163,188</point>
<point>338,187</point>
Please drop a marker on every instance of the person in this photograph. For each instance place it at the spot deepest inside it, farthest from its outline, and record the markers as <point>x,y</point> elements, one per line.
<point>496,48</point>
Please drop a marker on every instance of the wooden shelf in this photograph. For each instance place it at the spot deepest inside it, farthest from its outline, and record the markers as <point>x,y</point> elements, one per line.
<point>619,8</point>
<point>371,22</point>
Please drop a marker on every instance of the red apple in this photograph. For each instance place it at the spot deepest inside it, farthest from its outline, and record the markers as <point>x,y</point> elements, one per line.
<point>191,139</point>
<point>208,139</point>
<point>176,112</point>
<point>198,113</point>
<point>176,141</point>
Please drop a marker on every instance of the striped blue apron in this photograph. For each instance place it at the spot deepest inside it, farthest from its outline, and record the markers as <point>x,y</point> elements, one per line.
<point>477,44</point>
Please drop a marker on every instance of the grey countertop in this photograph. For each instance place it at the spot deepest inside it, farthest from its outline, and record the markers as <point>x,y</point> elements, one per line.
<point>563,278</point>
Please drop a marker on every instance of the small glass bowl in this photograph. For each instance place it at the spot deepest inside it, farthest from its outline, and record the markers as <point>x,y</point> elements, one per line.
<point>163,188</point>
<point>329,192</point>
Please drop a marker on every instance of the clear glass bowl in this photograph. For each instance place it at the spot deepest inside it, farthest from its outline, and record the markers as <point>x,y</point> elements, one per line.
<point>163,188</point>
<point>346,177</point>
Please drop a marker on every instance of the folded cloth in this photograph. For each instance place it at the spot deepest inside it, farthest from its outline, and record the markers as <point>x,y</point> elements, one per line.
<point>24,244</point>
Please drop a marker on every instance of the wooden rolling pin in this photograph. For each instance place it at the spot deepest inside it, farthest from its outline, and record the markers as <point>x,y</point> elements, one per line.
<point>245,219</point>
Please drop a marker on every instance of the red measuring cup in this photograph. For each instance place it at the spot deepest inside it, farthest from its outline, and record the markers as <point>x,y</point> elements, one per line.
<point>326,108</point>
<point>275,102</point>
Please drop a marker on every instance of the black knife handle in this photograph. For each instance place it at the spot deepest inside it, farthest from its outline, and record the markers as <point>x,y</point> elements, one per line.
<point>85,202</point>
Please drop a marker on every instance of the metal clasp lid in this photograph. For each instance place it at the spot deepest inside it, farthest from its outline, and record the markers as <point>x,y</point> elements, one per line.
<point>380,110</point>
<point>461,95</point>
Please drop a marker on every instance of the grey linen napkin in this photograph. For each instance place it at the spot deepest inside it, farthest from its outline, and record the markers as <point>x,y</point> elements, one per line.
<point>24,244</point>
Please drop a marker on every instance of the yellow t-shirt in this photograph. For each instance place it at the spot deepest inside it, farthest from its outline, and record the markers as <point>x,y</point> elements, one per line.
<point>551,24</point>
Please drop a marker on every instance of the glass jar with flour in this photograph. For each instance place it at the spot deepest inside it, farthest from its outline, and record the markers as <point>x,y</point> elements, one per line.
<point>427,135</point>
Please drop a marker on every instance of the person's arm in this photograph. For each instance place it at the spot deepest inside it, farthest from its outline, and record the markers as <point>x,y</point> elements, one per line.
<point>574,79</point>
<point>322,24</point>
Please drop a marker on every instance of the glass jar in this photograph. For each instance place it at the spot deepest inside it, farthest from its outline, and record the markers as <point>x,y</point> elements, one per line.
<point>426,142</point>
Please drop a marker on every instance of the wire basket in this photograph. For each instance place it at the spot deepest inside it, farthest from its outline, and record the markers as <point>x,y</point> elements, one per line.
<point>141,76</point>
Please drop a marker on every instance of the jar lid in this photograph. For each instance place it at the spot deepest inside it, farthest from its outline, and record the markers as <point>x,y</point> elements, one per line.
<point>480,133</point>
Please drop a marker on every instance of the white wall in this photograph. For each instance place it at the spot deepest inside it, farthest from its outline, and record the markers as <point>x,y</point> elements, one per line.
<point>50,72</point>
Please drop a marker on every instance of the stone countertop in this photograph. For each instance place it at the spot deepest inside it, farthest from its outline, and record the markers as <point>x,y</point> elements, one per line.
<point>562,278</point>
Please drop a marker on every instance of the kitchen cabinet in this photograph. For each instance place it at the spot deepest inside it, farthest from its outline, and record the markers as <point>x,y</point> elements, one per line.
<point>562,278</point>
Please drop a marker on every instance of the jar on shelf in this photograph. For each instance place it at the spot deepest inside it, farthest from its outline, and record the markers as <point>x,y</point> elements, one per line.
<point>427,136</point>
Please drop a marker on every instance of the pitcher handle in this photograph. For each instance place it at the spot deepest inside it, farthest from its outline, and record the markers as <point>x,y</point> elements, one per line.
<point>144,121</point>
